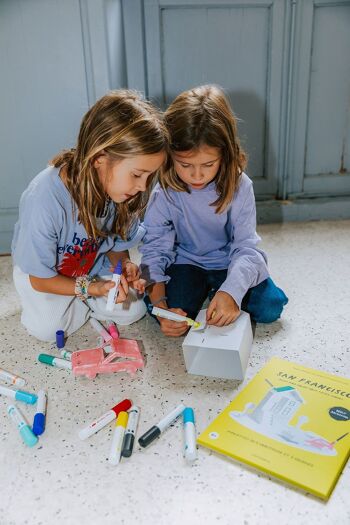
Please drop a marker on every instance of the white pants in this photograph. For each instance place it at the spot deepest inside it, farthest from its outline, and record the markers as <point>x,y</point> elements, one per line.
<point>45,313</point>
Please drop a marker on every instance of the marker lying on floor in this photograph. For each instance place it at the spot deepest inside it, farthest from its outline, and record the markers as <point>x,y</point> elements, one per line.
<point>112,329</point>
<point>100,329</point>
<point>54,361</point>
<point>66,354</point>
<point>103,420</point>
<point>117,440</point>
<point>24,429</point>
<point>18,395</point>
<point>39,418</point>
<point>129,437</point>
<point>164,423</point>
<point>172,316</point>
<point>190,434</point>
<point>8,377</point>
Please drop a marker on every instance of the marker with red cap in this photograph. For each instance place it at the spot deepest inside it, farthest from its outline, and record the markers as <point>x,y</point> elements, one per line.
<point>103,420</point>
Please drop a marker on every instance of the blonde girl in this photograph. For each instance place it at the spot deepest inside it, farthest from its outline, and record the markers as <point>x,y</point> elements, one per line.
<point>80,215</point>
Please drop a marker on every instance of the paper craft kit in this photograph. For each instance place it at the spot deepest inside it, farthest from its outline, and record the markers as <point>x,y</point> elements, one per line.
<point>219,351</point>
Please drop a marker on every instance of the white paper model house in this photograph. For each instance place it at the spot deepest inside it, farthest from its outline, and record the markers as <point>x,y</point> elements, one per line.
<point>219,351</point>
<point>278,407</point>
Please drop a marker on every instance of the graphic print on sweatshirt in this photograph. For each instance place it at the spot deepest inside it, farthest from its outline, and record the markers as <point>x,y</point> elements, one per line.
<point>78,257</point>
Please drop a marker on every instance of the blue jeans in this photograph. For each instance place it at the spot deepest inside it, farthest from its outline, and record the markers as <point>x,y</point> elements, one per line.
<point>190,285</point>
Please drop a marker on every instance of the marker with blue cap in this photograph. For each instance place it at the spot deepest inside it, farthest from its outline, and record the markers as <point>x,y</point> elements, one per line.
<point>18,395</point>
<point>113,292</point>
<point>39,418</point>
<point>60,339</point>
<point>24,429</point>
<point>190,434</point>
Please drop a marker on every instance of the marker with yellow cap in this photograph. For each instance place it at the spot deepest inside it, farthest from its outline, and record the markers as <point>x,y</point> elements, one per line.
<point>118,437</point>
<point>172,316</point>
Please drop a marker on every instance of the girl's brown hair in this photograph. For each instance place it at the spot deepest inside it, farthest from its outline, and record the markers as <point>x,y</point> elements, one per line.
<point>121,124</point>
<point>203,117</point>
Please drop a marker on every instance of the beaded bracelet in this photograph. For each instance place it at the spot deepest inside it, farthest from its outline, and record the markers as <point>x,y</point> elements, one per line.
<point>81,286</point>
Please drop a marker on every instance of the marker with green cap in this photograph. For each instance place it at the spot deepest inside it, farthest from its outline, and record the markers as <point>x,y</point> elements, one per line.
<point>54,361</point>
<point>24,429</point>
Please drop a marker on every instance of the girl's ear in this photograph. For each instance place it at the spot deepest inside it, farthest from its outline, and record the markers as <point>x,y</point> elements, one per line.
<point>99,161</point>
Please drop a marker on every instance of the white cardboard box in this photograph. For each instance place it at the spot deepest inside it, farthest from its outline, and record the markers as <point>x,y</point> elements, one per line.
<point>219,351</point>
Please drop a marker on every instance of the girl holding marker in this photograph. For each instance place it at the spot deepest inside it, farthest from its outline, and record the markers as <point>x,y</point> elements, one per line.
<point>79,217</point>
<point>201,239</point>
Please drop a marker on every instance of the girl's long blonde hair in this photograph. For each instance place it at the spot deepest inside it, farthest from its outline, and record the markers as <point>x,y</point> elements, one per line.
<point>203,117</point>
<point>121,124</point>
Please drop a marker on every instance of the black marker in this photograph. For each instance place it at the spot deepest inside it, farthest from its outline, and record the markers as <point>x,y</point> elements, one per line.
<point>156,430</point>
<point>129,437</point>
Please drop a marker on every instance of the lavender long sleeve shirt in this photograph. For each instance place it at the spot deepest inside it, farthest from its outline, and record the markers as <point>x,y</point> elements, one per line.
<point>182,228</point>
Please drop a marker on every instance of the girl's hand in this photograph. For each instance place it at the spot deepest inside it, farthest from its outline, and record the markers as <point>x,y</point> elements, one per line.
<point>222,310</point>
<point>139,285</point>
<point>101,288</point>
<point>131,271</point>
<point>173,328</point>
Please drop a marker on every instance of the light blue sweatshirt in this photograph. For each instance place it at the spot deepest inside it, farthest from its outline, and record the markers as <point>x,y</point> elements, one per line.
<point>182,228</point>
<point>49,240</point>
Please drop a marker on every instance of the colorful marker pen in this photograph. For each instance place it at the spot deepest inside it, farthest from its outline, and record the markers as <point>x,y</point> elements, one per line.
<point>112,329</point>
<point>103,420</point>
<point>190,434</point>
<point>129,437</point>
<point>19,395</point>
<point>54,361</point>
<point>100,329</point>
<point>113,292</point>
<point>66,354</point>
<point>156,430</point>
<point>24,429</point>
<point>118,436</point>
<point>172,316</point>
<point>60,339</point>
<point>39,418</point>
<point>11,378</point>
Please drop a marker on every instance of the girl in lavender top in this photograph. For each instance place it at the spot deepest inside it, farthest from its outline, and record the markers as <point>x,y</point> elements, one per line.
<point>201,239</point>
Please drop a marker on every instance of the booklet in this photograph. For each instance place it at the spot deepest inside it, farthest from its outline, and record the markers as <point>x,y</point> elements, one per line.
<point>290,421</point>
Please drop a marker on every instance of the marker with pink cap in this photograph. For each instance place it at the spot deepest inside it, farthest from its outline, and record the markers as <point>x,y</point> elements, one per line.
<point>113,330</point>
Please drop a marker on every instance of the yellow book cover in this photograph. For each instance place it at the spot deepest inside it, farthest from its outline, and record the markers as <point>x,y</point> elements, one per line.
<point>291,422</point>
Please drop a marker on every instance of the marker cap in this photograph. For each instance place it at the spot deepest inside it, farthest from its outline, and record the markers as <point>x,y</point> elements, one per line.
<point>26,397</point>
<point>39,424</point>
<point>128,445</point>
<point>60,338</point>
<point>123,406</point>
<point>188,415</point>
<point>28,437</point>
<point>149,436</point>
<point>118,267</point>
<point>45,358</point>
<point>122,419</point>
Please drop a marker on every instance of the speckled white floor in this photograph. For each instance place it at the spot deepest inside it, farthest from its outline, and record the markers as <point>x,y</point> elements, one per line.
<point>67,481</point>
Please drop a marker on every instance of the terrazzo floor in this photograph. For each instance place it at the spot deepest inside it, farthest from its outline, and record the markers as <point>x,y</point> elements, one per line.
<point>64,480</point>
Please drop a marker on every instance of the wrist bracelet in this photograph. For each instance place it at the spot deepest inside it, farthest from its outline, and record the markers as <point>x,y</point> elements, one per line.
<point>164,298</point>
<point>81,286</point>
